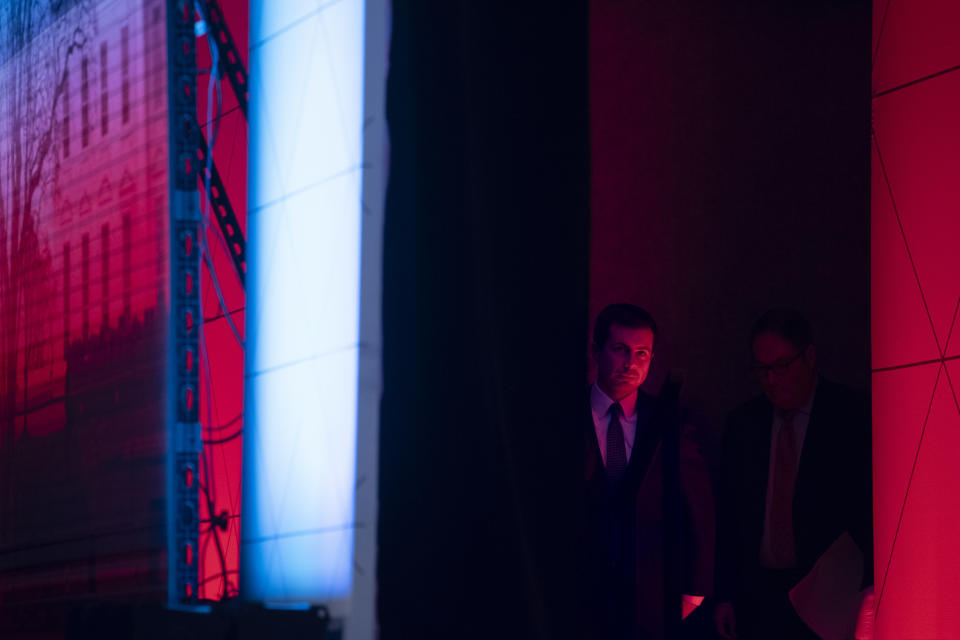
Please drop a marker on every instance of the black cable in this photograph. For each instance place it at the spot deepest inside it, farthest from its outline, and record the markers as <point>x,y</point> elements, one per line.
<point>225,425</point>
<point>233,436</point>
<point>214,81</point>
<point>211,509</point>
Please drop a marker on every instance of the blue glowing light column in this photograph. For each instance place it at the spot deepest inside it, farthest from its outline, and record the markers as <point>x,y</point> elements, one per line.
<point>303,297</point>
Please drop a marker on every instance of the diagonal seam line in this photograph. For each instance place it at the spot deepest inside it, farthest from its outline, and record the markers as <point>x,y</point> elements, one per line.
<point>946,344</point>
<point>293,24</point>
<point>292,363</point>
<point>946,370</point>
<point>222,114</point>
<point>942,358</point>
<point>936,74</point>
<point>903,235</point>
<point>338,95</point>
<point>909,365</point>
<point>876,47</point>
<point>906,494</point>
<point>304,532</point>
<point>297,112</point>
<point>952,391</point>
<point>942,368</point>
<point>299,190</point>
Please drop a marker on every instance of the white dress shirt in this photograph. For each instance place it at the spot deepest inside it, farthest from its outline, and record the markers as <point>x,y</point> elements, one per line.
<point>600,408</point>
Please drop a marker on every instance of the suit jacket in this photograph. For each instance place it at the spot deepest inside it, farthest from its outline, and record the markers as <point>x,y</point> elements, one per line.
<point>650,539</point>
<point>832,493</point>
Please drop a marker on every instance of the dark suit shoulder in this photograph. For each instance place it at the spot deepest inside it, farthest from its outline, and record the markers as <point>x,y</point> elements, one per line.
<point>841,396</point>
<point>841,403</point>
<point>842,414</point>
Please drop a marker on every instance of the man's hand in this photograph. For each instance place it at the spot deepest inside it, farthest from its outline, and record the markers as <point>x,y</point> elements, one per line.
<point>725,620</point>
<point>689,604</point>
<point>866,615</point>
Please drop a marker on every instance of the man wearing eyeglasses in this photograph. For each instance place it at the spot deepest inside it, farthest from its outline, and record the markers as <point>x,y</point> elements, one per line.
<point>796,475</point>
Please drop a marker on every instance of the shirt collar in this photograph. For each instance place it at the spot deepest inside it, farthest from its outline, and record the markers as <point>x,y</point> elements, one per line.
<point>807,406</point>
<point>600,402</point>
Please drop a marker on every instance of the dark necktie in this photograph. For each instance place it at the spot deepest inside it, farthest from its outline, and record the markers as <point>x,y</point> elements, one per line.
<point>781,507</point>
<point>616,448</point>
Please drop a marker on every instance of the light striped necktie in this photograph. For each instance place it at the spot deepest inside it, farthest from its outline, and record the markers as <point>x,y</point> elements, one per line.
<point>784,481</point>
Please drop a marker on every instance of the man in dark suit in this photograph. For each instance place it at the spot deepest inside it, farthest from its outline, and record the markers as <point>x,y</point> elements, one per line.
<point>649,509</point>
<point>796,475</point>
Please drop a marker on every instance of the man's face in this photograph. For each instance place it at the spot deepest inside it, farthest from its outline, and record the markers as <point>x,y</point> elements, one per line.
<point>785,373</point>
<point>623,362</point>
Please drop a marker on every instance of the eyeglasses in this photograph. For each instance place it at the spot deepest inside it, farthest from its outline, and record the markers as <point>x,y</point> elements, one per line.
<point>762,370</point>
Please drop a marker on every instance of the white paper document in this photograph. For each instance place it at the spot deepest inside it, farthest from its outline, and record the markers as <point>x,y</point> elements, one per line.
<point>828,597</point>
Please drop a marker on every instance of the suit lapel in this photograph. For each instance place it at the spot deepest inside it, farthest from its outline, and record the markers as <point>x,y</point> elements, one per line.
<point>647,440</point>
<point>759,472</point>
<point>645,445</point>
<point>811,450</point>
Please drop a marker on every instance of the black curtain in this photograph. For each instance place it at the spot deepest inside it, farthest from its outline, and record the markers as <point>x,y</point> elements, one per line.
<point>485,320</point>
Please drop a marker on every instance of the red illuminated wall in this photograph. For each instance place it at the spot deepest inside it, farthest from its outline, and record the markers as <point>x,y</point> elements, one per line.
<point>83,300</point>
<point>915,261</point>
<point>729,174</point>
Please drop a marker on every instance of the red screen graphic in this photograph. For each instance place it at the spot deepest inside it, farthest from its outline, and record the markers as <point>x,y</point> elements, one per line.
<point>85,305</point>
<point>83,299</point>
<point>221,371</point>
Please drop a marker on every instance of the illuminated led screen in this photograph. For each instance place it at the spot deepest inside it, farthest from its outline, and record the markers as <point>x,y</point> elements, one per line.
<point>303,287</point>
<point>83,300</point>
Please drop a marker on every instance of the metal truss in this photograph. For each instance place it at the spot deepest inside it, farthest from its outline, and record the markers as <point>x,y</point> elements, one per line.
<point>214,32</point>
<point>231,65</point>
<point>184,436</point>
<point>220,205</point>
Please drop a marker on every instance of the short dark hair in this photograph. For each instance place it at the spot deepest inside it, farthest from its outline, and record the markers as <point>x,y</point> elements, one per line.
<point>789,324</point>
<point>625,315</point>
